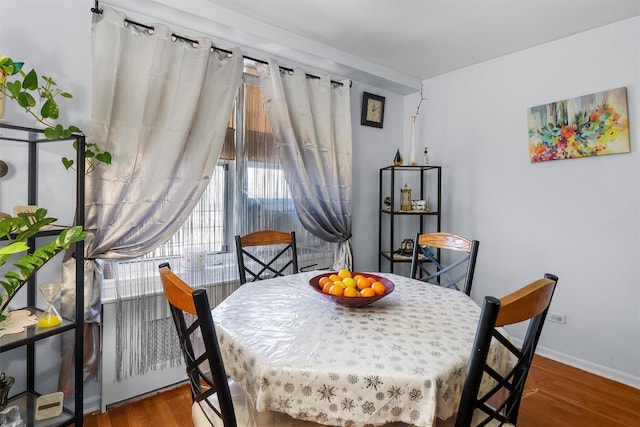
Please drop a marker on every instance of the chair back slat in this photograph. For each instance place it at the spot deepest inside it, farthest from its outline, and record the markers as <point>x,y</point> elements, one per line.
<point>526,302</point>
<point>265,237</point>
<point>178,293</point>
<point>445,241</point>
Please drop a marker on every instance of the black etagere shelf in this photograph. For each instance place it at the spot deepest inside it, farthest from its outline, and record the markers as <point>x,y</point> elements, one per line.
<point>429,180</point>
<point>26,399</point>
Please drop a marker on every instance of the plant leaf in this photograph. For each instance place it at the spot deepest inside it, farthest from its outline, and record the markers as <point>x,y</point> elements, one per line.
<point>13,248</point>
<point>50,110</point>
<point>25,100</point>
<point>67,163</point>
<point>7,287</point>
<point>32,228</point>
<point>14,88</point>
<point>54,132</point>
<point>104,157</point>
<point>30,81</point>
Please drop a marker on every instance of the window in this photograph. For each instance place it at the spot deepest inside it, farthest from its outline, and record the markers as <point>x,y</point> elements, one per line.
<point>247,192</point>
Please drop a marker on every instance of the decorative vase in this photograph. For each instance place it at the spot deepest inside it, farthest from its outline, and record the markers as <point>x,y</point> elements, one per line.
<point>397,160</point>
<point>412,145</point>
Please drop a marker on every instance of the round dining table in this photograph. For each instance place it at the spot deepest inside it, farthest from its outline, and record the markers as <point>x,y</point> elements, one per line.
<point>402,359</point>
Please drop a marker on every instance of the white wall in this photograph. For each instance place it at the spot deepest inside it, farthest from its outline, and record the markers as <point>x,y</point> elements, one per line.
<point>578,218</point>
<point>373,148</point>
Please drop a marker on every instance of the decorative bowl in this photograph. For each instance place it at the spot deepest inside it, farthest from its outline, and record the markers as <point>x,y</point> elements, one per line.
<point>352,301</point>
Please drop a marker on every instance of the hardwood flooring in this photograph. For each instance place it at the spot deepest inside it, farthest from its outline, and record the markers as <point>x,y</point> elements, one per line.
<point>556,395</point>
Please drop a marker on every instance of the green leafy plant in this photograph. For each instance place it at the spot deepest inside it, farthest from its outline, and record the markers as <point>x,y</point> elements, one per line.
<point>16,230</point>
<point>25,88</point>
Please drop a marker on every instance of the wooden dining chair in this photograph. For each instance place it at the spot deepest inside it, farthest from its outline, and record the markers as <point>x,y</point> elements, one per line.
<point>210,390</point>
<point>427,264</point>
<point>500,405</point>
<point>279,251</point>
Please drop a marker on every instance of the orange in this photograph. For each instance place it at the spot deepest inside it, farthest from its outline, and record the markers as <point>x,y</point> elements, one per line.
<point>351,292</point>
<point>357,276</point>
<point>367,292</point>
<point>372,279</point>
<point>363,282</point>
<point>323,280</point>
<point>326,287</point>
<point>336,290</point>
<point>334,277</point>
<point>344,273</point>
<point>378,288</point>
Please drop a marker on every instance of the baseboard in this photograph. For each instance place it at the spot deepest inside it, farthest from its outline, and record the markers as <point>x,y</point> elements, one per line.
<point>585,365</point>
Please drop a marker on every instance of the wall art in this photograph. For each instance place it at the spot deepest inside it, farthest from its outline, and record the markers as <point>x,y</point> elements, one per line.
<point>589,125</point>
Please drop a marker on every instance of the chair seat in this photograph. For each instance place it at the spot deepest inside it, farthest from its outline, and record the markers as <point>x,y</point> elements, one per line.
<point>246,415</point>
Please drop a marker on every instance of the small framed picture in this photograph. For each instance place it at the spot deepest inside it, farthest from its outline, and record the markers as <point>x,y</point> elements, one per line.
<point>372,110</point>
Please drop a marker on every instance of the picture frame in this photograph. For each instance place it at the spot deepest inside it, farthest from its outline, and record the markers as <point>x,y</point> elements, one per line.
<point>590,125</point>
<point>372,110</point>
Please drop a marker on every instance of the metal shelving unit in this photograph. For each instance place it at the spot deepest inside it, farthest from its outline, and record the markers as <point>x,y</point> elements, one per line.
<point>430,178</point>
<point>26,399</point>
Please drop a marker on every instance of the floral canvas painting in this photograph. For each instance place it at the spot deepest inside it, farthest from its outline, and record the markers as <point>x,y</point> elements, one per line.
<point>590,125</point>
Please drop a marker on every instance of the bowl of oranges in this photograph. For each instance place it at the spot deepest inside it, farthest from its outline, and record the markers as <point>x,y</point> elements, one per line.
<point>352,289</point>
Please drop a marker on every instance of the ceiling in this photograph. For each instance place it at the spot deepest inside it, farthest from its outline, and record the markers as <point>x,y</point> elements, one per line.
<point>425,38</point>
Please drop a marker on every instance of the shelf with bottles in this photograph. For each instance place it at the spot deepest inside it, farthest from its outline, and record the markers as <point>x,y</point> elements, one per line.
<point>417,196</point>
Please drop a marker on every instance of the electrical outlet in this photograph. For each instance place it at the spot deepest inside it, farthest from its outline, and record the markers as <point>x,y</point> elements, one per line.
<point>557,318</point>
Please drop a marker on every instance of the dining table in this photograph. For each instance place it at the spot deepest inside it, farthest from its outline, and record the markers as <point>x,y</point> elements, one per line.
<point>401,359</point>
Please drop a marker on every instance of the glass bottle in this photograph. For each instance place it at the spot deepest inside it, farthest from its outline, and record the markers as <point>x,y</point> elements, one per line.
<point>425,157</point>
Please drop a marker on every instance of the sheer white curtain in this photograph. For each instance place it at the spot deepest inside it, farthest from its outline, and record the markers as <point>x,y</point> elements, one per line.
<point>311,122</point>
<point>161,107</point>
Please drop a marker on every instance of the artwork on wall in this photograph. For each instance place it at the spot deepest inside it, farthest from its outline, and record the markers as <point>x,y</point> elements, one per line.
<point>589,125</point>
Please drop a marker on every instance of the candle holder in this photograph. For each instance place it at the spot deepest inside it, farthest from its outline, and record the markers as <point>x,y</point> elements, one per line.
<point>405,198</point>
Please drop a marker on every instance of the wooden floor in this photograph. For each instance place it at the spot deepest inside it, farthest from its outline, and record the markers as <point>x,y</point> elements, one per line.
<point>556,395</point>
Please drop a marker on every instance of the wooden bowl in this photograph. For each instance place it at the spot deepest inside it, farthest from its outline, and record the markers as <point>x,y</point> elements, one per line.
<point>352,301</point>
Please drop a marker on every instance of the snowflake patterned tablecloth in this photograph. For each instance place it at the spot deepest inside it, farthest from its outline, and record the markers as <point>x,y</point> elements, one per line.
<point>400,359</point>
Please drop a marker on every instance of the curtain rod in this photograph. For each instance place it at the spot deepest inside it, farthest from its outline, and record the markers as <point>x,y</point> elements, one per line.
<point>96,9</point>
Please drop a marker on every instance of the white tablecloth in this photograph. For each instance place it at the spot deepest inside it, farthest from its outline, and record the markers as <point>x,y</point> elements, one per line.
<point>403,358</point>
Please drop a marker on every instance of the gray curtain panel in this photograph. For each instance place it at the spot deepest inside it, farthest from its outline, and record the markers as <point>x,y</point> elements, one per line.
<point>311,122</point>
<point>161,107</point>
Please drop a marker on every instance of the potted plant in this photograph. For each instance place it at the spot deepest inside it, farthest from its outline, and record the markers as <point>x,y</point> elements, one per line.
<point>16,230</point>
<point>25,89</point>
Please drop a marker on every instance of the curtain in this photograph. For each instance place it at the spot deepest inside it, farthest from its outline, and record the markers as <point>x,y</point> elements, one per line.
<point>161,107</point>
<point>311,122</point>
<point>247,192</point>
